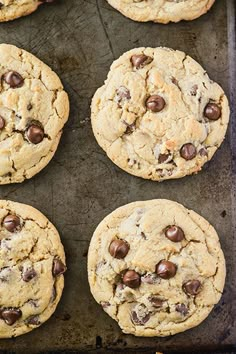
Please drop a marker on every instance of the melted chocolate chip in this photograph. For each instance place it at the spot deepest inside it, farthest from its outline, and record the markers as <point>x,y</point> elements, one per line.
<point>35,134</point>
<point>122,94</point>
<point>11,223</point>
<point>13,79</point>
<point>174,233</point>
<point>139,61</point>
<point>188,151</point>
<point>2,123</point>
<point>166,269</point>
<point>192,287</point>
<point>58,267</point>
<point>203,152</point>
<point>29,274</point>
<point>212,111</point>
<point>131,279</point>
<point>118,249</point>
<point>10,316</point>
<point>155,301</point>
<point>163,158</point>
<point>33,320</point>
<point>181,308</point>
<point>139,320</point>
<point>150,278</point>
<point>105,304</point>
<point>155,103</point>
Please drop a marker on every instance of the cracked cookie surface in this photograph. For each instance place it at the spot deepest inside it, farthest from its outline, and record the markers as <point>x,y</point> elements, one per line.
<point>12,9</point>
<point>33,110</point>
<point>158,115</point>
<point>156,267</point>
<point>32,263</point>
<point>162,11</point>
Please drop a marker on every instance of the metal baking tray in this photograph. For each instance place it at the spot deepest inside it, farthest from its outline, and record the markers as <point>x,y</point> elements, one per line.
<point>79,39</point>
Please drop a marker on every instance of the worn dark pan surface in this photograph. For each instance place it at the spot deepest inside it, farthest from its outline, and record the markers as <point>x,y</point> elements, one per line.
<point>79,39</point>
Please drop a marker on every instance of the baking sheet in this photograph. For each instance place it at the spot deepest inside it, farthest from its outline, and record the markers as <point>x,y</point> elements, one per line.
<point>79,40</point>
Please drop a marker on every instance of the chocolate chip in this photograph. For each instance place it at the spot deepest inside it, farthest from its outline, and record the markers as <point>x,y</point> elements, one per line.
<point>29,107</point>
<point>139,320</point>
<point>166,269</point>
<point>1,5</point>
<point>29,274</point>
<point>203,152</point>
<point>150,278</point>
<point>11,223</point>
<point>181,308</point>
<point>155,103</point>
<point>35,134</point>
<point>13,79</point>
<point>105,304</point>
<point>193,90</point>
<point>2,122</point>
<point>163,158</point>
<point>58,267</point>
<point>155,301</point>
<point>131,279</point>
<point>122,94</point>
<point>140,60</point>
<point>192,287</point>
<point>33,320</point>
<point>10,316</point>
<point>212,111</point>
<point>174,233</point>
<point>54,294</point>
<point>118,249</point>
<point>188,151</point>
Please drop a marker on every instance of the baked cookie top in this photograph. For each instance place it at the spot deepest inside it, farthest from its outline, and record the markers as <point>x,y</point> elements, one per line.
<point>162,11</point>
<point>12,9</point>
<point>158,115</point>
<point>32,262</point>
<point>156,267</point>
<point>33,110</point>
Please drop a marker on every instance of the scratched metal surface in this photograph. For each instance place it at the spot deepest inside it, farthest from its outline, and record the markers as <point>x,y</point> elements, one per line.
<point>79,39</point>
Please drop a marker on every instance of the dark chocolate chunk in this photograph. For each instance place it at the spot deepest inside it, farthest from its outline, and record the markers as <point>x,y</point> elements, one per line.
<point>10,316</point>
<point>11,223</point>
<point>192,287</point>
<point>2,123</point>
<point>166,269</point>
<point>29,274</point>
<point>188,151</point>
<point>212,111</point>
<point>174,233</point>
<point>58,267</point>
<point>35,134</point>
<point>131,279</point>
<point>155,103</point>
<point>118,249</point>
<point>140,60</point>
<point>13,79</point>
<point>181,308</point>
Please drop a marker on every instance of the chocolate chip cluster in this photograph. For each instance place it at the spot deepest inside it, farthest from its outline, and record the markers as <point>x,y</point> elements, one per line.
<point>34,130</point>
<point>13,224</point>
<point>165,269</point>
<point>156,104</point>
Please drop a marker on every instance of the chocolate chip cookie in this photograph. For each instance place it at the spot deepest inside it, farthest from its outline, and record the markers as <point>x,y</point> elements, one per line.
<point>12,9</point>
<point>33,110</point>
<point>32,263</point>
<point>158,115</point>
<point>162,11</point>
<point>156,267</point>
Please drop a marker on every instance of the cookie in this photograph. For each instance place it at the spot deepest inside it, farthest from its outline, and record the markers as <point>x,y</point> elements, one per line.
<point>156,267</point>
<point>158,115</point>
<point>33,110</point>
<point>32,263</point>
<point>162,11</point>
<point>12,9</point>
